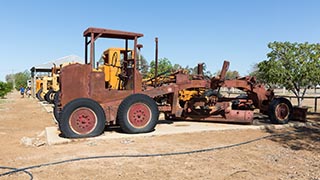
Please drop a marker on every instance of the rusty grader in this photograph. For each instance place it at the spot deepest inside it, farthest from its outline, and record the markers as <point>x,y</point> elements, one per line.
<point>88,101</point>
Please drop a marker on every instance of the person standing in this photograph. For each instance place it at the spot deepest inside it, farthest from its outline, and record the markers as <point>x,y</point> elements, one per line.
<point>22,91</point>
<point>28,92</point>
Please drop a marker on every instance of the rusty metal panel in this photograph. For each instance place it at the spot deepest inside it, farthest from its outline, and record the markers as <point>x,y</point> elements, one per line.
<point>239,116</point>
<point>243,116</point>
<point>110,110</point>
<point>299,113</point>
<point>74,82</point>
<point>97,86</point>
<point>182,78</point>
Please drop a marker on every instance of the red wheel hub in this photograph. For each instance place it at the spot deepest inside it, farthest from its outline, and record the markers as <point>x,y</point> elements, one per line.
<point>83,120</point>
<point>139,115</point>
<point>282,111</point>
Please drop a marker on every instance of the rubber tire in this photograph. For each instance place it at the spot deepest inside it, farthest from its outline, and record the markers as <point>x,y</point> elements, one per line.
<point>38,95</point>
<point>66,130</point>
<point>56,111</point>
<point>272,109</point>
<point>48,95</point>
<point>56,114</point>
<point>56,100</point>
<point>124,107</point>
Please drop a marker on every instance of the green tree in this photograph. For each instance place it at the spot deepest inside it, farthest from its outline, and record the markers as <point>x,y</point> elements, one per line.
<point>20,78</point>
<point>176,67</point>
<point>164,65</point>
<point>295,66</point>
<point>259,75</point>
<point>4,89</point>
<point>143,66</point>
<point>194,70</point>
<point>230,74</point>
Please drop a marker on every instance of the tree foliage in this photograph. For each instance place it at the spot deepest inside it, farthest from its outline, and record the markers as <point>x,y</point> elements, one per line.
<point>164,65</point>
<point>143,66</point>
<point>4,88</point>
<point>230,74</point>
<point>19,79</point>
<point>194,70</point>
<point>295,66</point>
<point>258,74</point>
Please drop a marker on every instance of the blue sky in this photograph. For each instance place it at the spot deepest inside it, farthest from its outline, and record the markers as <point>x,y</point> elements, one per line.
<point>36,31</point>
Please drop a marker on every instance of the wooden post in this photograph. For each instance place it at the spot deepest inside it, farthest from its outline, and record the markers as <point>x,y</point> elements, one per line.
<point>315,104</point>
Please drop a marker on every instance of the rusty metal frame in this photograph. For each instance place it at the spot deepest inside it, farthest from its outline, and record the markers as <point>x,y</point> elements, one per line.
<point>81,81</point>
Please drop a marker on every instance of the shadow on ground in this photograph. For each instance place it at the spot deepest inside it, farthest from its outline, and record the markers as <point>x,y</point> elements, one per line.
<point>300,138</point>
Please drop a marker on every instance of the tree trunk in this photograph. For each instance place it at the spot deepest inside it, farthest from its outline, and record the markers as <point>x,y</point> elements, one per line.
<point>299,101</point>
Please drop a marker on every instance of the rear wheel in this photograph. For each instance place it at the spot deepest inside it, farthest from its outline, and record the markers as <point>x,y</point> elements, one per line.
<point>81,118</point>
<point>38,95</point>
<point>56,109</point>
<point>138,113</point>
<point>280,110</point>
<point>49,97</point>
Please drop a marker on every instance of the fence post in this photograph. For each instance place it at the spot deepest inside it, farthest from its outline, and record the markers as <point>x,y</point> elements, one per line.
<point>315,104</point>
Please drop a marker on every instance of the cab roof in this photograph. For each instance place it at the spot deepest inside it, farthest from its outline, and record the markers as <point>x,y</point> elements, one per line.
<point>109,33</point>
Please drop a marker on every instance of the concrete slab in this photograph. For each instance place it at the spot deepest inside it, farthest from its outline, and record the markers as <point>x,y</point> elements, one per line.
<point>166,127</point>
<point>52,135</point>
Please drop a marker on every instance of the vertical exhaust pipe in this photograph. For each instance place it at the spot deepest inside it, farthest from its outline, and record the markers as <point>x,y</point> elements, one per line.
<point>156,64</point>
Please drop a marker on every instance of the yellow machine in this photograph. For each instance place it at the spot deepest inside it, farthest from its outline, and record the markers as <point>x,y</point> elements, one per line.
<point>47,86</point>
<point>110,64</point>
<point>42,86</point>
<point>54,83</point>
<point>186,95</point>
<point>38,84</point>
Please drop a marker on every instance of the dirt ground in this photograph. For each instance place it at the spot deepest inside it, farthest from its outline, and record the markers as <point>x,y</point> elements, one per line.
<point>294,154</point>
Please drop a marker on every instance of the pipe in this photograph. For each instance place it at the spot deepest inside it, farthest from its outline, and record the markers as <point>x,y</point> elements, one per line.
<point>92,50</point>
<point>200,69</point>
<point>86,50</point>
<point>126,52</point>
<point>156,65</point>
<point>135,65</point>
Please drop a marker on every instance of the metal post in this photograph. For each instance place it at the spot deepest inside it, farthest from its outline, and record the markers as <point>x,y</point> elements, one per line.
<point>126,53</point>
<point>200,69</point>
<point>92,50</point>
<point>156,64</point>
<point>86,50</point>
<point>135,65</point>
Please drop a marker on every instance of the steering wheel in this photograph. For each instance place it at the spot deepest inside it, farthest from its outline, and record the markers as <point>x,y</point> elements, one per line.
<point>114,59</point>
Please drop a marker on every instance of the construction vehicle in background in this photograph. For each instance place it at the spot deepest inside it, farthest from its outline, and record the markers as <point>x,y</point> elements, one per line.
<point>53,85</point>
<point>39,88</point>
<point>46,86</point>
<point>89,98</point>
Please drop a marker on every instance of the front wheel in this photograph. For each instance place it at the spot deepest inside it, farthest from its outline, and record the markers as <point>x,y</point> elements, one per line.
<point>82,118</point>
<point>280,110</point>
<point>138,113</point>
